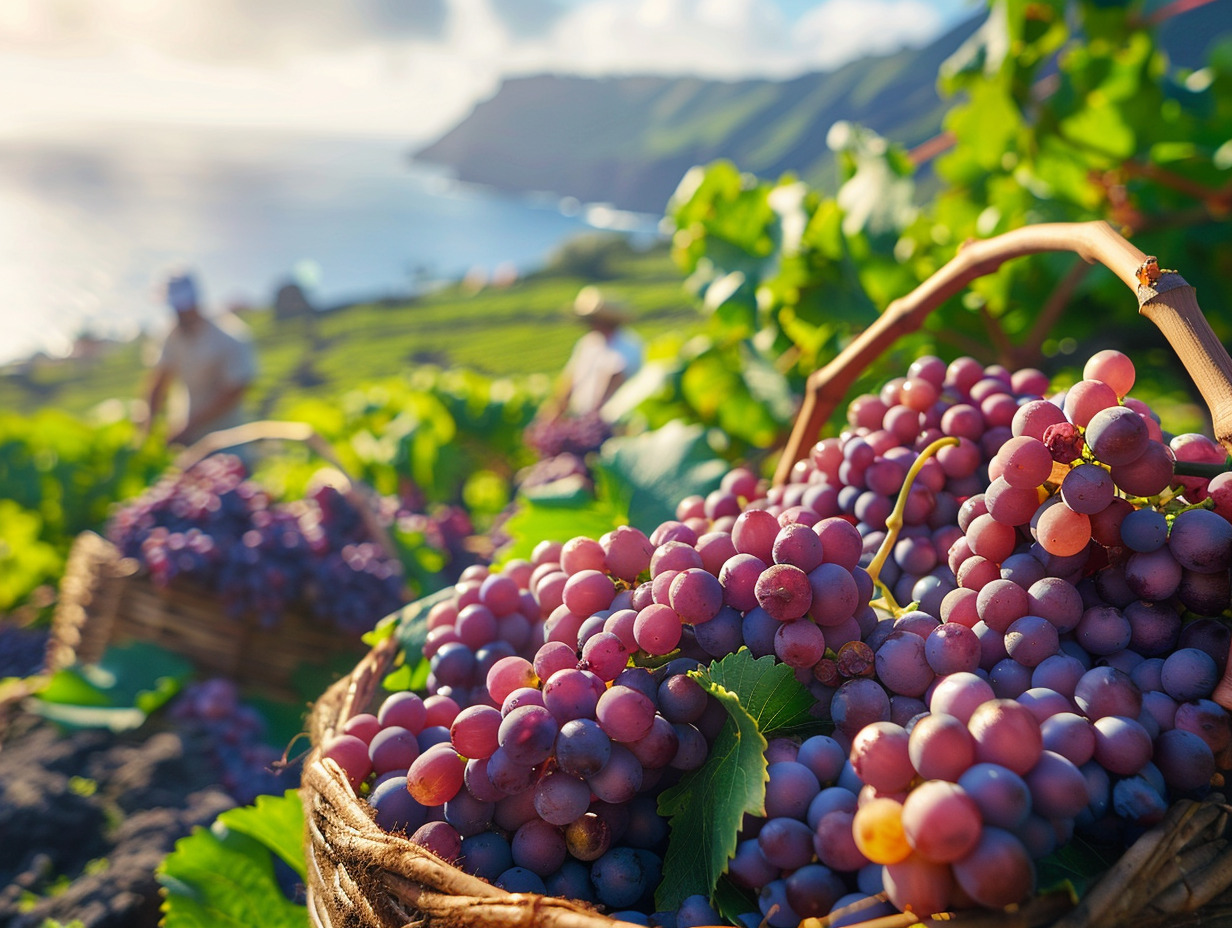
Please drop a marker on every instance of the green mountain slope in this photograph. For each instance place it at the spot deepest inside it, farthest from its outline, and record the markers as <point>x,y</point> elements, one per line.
<point>628,141</point>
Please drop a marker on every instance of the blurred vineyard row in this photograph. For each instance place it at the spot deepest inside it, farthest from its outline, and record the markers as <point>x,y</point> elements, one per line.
<point>439,441</point>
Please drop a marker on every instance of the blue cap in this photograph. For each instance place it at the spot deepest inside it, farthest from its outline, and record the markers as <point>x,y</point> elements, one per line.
<point>182,292</point>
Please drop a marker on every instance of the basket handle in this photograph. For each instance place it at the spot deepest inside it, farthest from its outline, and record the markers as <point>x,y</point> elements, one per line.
<point>359,494</point>
<point>1163,297</point>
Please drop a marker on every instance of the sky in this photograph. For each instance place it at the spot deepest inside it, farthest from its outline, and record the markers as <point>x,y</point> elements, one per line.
<point>398,68</point>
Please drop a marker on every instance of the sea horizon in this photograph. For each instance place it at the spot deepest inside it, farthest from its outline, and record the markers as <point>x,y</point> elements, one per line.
<point>91,219</point>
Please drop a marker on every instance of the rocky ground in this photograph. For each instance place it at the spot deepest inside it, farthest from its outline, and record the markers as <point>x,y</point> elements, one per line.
<point>86,818</point>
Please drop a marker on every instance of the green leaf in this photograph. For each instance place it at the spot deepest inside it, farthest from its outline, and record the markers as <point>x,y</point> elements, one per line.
<point>412,621</point>
<point>1073,867</point>
<point>706,808</point>
<point>534,522</point>
<point>118,693</point>
<point>275,821</point>
<point>141,674</point>
<point>988,126</point>
<point>382,630</point>
<point>219,877</point>
<point>877,198</point>
<point>69,687</point>
<point>408,676</point>
<point>732,901</point>
<point>660,468</point>
<point>26,560</point>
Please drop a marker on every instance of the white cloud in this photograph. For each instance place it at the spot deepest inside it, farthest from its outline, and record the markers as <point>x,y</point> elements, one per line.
<point>721,38</point>
<point>827,35</point>
<point>409,67</point>
<point>728,38</point>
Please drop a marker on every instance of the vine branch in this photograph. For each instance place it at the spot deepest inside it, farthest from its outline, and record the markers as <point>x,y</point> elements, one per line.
<point>1164,298</point>
<point>1053,308</point>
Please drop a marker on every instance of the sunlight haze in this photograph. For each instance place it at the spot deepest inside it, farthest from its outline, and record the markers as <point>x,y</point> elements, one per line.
<point>408,69</point>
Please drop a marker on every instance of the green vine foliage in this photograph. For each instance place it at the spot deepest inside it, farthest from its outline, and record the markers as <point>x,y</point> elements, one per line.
<point>1061,112</point>
<point>60,476</point>
<point>439,436</point>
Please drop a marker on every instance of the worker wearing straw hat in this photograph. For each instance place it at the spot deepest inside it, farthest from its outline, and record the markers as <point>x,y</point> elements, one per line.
<point>602,359</point>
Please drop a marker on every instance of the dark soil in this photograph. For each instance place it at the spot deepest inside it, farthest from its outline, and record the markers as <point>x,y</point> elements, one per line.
<point>87,816</point>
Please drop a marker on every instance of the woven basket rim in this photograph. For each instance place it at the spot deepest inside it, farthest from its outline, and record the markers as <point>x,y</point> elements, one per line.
<point>438,890</point>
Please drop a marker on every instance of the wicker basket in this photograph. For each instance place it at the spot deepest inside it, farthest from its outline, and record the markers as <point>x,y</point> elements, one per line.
<point>359,875</point>
<point>1177,873</point>
<point>106,599</point>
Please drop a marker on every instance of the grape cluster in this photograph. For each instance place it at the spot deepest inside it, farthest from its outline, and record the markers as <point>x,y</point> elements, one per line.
<point>246,764</point>
<point>574,435</point>
<point>536,725</point>
<point>864,468</point>
<point>561,446</point>
<point>537,755</point>
<point>565,470</point>
<point>216,527</point>
<point>1051,669</point>
<point>23,650</point>
<point>1023,697</point>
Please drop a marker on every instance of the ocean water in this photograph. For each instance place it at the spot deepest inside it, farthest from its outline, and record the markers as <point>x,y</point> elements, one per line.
<point>89,221</point>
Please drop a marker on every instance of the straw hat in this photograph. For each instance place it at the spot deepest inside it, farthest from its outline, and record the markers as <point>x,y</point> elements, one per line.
<point>591,305</point>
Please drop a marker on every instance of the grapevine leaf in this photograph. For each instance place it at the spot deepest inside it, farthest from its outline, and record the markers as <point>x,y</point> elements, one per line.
<point>412,621</point>
<point>383,629</point>
<point>660,468</point>
<point>534,522</point>
<point>142,674</point>
<point>707,806</point>
<point>119,692</point>
<point>408,676</point>
<point>766,689</point>
<point>275,821</point>
<point>68,687</point>
<point>221,877</point>
<point>767,385</point>
<point>1073,868</point>
<point>732,901</point>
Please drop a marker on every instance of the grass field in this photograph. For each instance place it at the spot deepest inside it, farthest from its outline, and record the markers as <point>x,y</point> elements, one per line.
<point>515,330</point>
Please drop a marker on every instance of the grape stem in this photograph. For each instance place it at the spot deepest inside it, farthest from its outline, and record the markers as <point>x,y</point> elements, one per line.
<point>1164,298</point>
<point>1197,469</point>
<point>894,521</point>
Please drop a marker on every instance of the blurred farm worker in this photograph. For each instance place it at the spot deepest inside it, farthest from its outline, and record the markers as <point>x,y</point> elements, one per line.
<point>211,357</point>
<point>604,358</point>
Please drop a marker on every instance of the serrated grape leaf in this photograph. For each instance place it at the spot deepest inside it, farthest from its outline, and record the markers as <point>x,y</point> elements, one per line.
<point>732,901</point>
<point>408,676</point>
<point>275,821</point>
<point>1074,867</point>
<point>118,693</point>
<point>658,469</point>
<point>383,629</point>
<point>706,808</point>
<point>555,520</point>
<point>218,877</point>
<point>411,621</point>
